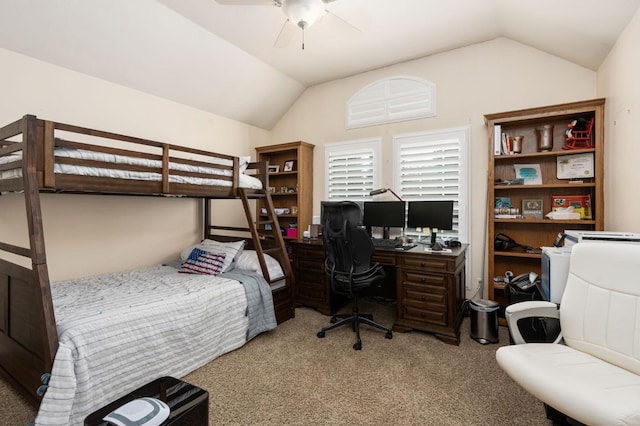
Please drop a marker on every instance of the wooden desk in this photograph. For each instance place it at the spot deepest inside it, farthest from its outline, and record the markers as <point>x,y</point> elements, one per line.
<point>429,286</point>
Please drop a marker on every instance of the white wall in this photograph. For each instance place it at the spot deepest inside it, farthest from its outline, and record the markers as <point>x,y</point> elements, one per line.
<point>618,81</point>
<point>500,75</point>
<point>88,234</point>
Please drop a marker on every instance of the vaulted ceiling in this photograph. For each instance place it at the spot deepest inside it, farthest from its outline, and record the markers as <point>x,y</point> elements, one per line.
<point>222,58</point>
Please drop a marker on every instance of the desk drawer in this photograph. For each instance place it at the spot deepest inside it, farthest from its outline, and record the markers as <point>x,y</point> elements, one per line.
<point>419,298</point>
<point>309,252</point>
<point>433,263</point>
<point>310,266</point>
<point>425,280</point>
<point>311,294</point>
<point>419,317</point>
<point>384,257</point>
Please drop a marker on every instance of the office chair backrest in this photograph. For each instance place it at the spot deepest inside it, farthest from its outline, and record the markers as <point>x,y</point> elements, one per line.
<point>600,307</point>
<point>348,247</point>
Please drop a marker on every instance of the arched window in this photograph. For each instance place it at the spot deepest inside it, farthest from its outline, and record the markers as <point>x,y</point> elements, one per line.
<point>391,99</point>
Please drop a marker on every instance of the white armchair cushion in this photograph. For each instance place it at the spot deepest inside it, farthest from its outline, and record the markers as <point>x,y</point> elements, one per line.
<point>595,377</point>
<point>574,383</point>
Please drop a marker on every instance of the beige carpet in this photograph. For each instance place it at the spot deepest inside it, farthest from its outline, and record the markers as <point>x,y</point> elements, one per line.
<point>289,376</point>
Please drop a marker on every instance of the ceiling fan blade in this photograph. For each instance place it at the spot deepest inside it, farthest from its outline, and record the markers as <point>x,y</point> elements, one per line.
<point>340,22</point>
<point>245,2</point>
<point>286,34</point>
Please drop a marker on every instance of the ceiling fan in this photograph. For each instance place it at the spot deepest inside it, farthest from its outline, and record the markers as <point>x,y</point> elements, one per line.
<point>300,13</point>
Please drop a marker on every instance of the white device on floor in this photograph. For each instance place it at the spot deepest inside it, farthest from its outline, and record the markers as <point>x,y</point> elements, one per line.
<point>139,412</point>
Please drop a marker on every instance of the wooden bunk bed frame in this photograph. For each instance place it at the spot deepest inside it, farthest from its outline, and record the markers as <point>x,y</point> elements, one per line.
<point>28,334</point>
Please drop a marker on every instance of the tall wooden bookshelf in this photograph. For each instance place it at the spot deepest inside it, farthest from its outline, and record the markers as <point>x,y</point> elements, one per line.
<point>291,183</point>
<point>531,231</point>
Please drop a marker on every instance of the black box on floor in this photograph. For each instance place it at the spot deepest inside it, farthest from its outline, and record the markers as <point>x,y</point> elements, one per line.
<point>189,404</point>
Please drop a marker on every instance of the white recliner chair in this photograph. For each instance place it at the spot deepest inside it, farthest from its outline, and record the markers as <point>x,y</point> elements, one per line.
<point>594,377</point>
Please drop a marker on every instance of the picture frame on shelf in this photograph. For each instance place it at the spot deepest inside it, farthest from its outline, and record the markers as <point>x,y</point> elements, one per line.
<point>289,166</point>
<point>273,169</point>
<point>532,208</point>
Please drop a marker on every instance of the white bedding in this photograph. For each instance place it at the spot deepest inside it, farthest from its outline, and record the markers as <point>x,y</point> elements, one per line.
<point>120,331</point>
<point>245,181</point>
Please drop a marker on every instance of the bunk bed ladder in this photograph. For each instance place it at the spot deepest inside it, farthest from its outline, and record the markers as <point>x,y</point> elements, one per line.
<point>279,250</point>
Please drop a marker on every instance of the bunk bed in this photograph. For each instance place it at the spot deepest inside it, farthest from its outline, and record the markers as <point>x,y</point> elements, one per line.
<point>40,156</point>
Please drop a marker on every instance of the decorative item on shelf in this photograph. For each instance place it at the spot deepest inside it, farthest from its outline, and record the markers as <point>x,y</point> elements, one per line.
<point>575,166</point>
<point>289,166</point>
<point>517,181</point>
<point>545,137</point>
<point>530,173</point>
<point>517,144</point>
<point>580,203</point>
<point>294,210</point>
<point>578,134</point>
<point>272,189</point>
<point>273,169</point>
<point>532,208</point>
<point>281,211</point>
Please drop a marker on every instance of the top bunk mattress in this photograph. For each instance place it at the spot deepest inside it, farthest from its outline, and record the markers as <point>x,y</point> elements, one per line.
<point>245,181</point>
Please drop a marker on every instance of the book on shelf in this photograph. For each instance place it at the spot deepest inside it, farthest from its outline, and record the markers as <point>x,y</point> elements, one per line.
<point>503,202</point>
<point>508,216</point>
<point>497,139</point>
<point>506,210</point>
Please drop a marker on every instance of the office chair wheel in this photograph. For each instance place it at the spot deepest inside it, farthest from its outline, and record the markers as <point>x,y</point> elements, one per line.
<point>320,334</point>
<point>333,320</point>
<point>357,345</point>
<point>389,335</point>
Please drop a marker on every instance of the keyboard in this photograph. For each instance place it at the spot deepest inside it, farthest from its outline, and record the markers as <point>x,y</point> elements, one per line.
<point>391,244</point>
<point>382,243</point>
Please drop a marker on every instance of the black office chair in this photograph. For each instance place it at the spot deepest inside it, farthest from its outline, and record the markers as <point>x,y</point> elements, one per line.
<point>348,263</point>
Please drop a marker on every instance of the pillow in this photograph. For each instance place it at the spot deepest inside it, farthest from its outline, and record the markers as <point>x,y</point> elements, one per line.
<point>249,260</point>
<point>244,163</point>
<point>231,250</point>
<point>203,262</point>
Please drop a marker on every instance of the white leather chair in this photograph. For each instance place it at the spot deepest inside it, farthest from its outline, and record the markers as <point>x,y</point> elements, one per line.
<point>594,377</point>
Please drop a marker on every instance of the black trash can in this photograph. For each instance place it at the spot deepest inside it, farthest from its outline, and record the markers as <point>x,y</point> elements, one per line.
<point>484,321</point>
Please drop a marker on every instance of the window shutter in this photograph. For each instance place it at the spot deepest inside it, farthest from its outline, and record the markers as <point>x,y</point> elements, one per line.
<point>432,166</point>
<point>351,170</point>
<point>389,100</point>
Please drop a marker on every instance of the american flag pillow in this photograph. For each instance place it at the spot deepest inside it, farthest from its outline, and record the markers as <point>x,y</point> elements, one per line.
<point>203,262</point>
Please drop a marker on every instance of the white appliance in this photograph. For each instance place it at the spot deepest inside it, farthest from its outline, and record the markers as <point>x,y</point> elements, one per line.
<point>574,237</point>
<point>555,270</point>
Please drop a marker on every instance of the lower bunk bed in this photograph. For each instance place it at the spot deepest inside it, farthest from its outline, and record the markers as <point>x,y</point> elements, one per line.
<point>75,345</point>
<point>122,330</point>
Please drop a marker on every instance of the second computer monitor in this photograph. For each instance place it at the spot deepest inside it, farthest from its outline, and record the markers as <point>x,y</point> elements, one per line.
<point>430,214</point>
<point>387,214</point>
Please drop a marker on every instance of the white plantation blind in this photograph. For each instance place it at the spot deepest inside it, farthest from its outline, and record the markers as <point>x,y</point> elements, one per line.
<point>389,100</point>
<point>433,166</point>
<point>351,170</point>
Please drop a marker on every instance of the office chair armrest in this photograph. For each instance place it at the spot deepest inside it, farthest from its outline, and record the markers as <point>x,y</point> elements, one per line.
<point>530,309</point>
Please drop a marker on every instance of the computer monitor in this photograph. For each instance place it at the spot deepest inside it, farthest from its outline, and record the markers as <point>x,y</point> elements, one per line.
<point>437,215</point>
<point>336,211</point>
<point>387,214</point>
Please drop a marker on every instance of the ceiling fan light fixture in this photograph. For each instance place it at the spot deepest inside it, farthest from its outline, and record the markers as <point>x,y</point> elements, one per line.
<point>303,13</point>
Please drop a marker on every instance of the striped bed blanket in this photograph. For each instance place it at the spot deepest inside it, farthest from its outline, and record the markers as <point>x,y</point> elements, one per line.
<point>120,331</point>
